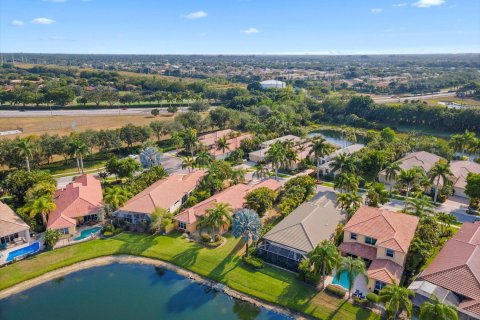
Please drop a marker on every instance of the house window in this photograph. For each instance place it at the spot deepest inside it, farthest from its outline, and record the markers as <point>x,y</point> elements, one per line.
<point>353,236</point>
<point>390,253</point>
<point>128,218</point>
<point>379,285</point>
<point>182,225</point>
<point>9,238</point>
<point>369,240</point>
<point>63,231</point>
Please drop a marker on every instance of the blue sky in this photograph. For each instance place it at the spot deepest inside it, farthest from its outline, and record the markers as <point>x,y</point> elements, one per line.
<point>240,26</point>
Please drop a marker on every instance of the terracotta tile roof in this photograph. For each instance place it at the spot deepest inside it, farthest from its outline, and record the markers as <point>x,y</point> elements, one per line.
<point>392,230</point>
<point>233,144</point>
<point>359,250</point>
<point>472,306</point>
<point>10,223</point>
<point>423,159</point>
<point>457,265</point>
<point>77,199</point>
<point>234,196</point>
<point>385,270</point>
<point>461,169</point>
<point>164,193</point>
<point>209,139</point>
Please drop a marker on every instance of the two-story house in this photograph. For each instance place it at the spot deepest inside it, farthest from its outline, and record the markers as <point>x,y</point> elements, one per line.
<point>382,238</point>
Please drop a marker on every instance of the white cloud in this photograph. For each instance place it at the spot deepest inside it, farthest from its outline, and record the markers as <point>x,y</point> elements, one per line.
<point>428,3</point>
<point>17,23</point>
<point>399,5</point>
<point>251,31</point>
<point>196,15</point>
<point>42,21</point>
<point>377,10</point>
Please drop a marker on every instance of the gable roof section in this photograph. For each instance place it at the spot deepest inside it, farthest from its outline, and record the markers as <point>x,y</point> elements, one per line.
<point>385,270</point>
<point>392,230</point>
<point>457,265</point>
<point>461,169</point>
<point>422,159</point>
<point>309,224</point>
<point>10,223</point>
<point>234,196</point>
<point>163,193</point>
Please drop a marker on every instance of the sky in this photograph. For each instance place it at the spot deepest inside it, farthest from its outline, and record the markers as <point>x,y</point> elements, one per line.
<point>240,26</point>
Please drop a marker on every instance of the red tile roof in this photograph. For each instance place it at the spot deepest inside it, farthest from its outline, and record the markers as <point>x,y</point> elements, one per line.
<point>359,250</point>
<point>79,198</point>
<point>234,196</point>
<point>164,193</point>
<point>457,265</point>
<point>233,144</point>
<point>211,138</point>
<point>392,230</point>
<point>385,270</point>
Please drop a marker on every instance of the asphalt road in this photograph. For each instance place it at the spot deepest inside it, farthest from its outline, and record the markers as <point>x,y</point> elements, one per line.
<point>85,112</point>
<point>417,97</point>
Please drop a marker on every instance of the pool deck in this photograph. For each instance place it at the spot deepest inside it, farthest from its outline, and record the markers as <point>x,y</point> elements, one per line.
<point>4,253</point>
<point>70,240</point>
<point>359,284</point>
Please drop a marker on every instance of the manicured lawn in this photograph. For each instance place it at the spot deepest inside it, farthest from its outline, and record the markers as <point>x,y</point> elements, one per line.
<point>221,264</point>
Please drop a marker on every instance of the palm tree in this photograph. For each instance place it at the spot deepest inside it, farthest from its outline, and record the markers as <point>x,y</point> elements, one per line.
<point>434,309</point>
<point>474,147</point>
<point>78,149</point>
<point>353,268</point>
<point>343,164</point>
<point>323,259</point>
<point>445,220</point>
<point>291,156</point>
<point>350,202</point>
<point>217,217</point>
<point>116,196</point>
<point>238,175</point>
<point>25,149</point>
<point>461,142</point>
<point>440,171</point>
<point>420,206</point>
<point>177,140</point>
<point>188,163</point>
<point>261,171</point>
<point>408,179</point>
<point>396,299</point>
<point>39,206</point>
<point>246,224</point>
<point>222,144</point>
<point>203,159</point>
<point>347,182</point>
<point>391,173</point>
<point>190,140</point>
<point>320,148</point>
<point>276,156</point>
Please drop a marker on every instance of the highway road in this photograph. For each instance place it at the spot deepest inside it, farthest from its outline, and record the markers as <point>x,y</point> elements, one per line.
<point>417,97</point>
<point>84,112</point>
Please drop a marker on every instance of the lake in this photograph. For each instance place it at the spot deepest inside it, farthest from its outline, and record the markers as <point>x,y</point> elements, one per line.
<point>335,139</point>
<point>127,291</point>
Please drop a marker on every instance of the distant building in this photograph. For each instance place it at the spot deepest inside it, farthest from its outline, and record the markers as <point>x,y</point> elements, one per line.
<point>301,231</point>
<point>269,84</point>
<point>13,231</point>
<point>260,155</point>
<point>460,171</point>
<point>327,160</point>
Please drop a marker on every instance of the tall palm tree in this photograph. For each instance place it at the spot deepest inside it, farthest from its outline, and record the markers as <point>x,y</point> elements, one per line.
<point>116,196</point>
<point>203,159</point>
<point>350,202</point>
<point>222,144</point>
<point>238,175</point>
<point>434,309</point>
<point>320,149</point>
<point>276,156</point>
<point>323,259</point>
<point>291,156</point>
<point>217,217</point>
<point>440,172</point>
<point>445,220</point>
<point>408,179</point>
<point>190,140</point>
<point>39,206</point>
<point>177,140</point>
<point>391,173</point>
<point>261,171</point>
<point>343,163</point>
<point>188,163</point>
<point>420,206</point>
<point>25,149</point>
<point>474,147</point>
<point>353,268</point>
<point>396,299</point>
<point>78,149</point>
<point>347,182</point>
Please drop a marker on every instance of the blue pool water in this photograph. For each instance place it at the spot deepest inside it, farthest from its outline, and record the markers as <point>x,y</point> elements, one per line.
<point>86,233</point>
<point>342,280</point>
<point>34,247</point>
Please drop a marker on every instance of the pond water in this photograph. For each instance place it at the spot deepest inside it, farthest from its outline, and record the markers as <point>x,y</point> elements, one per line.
<point>127,291</point>
<point>335,139</point>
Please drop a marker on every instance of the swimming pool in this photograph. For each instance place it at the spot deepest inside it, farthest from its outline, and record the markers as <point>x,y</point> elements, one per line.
<point>34,247</point>
<point>342,280</point>
<point>87,233</point>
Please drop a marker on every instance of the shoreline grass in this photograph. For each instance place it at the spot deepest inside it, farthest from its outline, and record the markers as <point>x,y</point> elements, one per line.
<point>222,264</point>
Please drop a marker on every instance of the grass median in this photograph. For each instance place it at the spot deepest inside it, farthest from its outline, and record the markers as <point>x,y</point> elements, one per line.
<point>222,264</point>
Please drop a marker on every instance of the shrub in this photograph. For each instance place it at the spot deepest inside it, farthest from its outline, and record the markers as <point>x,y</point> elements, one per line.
<point>107,233</point>
<point>335,291</point>
<point>184,235</point>
<point>217,238</point>
<point>51,238</point>
<point>205,237</point>
<point>372,297</point>
<point>254,262</point>
<point>108,228</point>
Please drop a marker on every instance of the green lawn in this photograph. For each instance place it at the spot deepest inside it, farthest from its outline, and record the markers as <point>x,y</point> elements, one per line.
<point>221,264</point>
